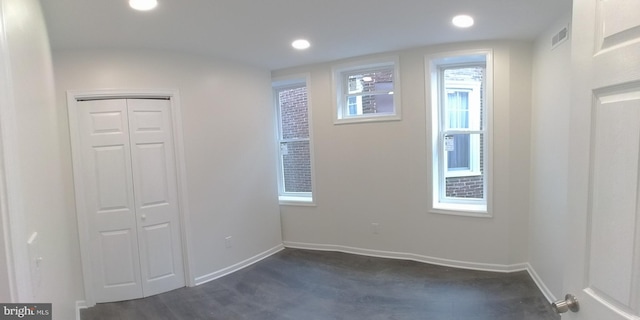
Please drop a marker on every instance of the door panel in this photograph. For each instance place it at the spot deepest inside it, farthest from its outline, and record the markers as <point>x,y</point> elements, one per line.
<point>111,173</point>
<point>614,198</point>
<point>119,260</point>
<point>156,195</point>
<point>603,251</point>
<point>153,173</point>
<point>109,199</point>
<point>160,259</point>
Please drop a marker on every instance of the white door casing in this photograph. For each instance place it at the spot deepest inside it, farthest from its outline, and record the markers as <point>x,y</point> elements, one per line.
<point>129,181</point>
<point>603,247</point>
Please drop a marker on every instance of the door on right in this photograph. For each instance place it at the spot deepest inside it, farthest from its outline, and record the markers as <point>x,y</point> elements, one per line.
<point>603,245</point>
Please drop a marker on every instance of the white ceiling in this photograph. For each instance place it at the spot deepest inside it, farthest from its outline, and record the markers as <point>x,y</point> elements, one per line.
<point>259,32</point>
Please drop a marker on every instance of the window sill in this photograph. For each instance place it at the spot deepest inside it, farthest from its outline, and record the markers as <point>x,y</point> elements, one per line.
<point>462,174</point>
<point>296,201</point>
<point>466,210</point>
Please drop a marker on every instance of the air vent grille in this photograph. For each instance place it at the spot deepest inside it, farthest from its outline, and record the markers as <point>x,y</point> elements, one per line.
<point>560,37</point>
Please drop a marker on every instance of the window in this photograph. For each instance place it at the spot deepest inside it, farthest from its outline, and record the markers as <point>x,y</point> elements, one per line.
<point>367,91</point>
<point>460,137</point>
<point>295,178</point>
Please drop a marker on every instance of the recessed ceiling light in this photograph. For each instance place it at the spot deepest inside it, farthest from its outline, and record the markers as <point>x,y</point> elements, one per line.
<point>462,21</point>
<point>301,44</point>
<point>143,5</point>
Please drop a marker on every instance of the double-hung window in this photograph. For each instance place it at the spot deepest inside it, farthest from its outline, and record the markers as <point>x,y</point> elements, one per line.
<point>295,174</point>
<point>367,91</point>
<point>460,137</point>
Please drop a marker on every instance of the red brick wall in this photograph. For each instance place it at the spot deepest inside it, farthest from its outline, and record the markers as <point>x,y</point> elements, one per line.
<point>295,125</point>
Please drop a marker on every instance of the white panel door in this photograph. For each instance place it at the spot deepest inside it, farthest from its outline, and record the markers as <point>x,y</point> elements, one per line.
<point>129,175</point>
<point>156,195</point>
<point>603,267</point>
<point>109,203</point>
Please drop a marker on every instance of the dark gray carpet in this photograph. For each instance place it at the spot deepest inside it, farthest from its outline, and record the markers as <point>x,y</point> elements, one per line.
<point>308,285</point>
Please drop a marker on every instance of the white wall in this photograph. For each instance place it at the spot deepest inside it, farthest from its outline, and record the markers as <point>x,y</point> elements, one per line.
<point>229,143</point>
<point>378,172</point>
<point>549,157</point>
<point>44,206</point>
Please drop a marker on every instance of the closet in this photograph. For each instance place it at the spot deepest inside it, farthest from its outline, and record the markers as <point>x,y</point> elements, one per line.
<point>126,185</point>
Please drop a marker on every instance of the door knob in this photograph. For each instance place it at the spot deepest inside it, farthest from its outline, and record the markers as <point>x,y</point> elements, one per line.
<point>143,217</point>
<point>570,302</point>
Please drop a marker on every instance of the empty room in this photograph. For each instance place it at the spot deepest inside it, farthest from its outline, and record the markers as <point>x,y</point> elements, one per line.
<point>244,159</point>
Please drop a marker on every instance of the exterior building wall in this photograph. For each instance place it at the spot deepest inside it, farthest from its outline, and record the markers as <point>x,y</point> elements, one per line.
<point>294,124</point>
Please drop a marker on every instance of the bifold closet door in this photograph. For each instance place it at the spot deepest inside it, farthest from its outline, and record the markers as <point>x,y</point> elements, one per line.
<point>130,196</point>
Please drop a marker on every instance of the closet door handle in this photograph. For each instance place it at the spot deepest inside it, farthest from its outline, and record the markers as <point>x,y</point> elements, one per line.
<point>143,217</point>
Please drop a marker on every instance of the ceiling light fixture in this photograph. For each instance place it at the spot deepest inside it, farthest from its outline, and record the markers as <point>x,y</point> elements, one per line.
<point>143,5</point>
<point>301,44</point>
<point>462,21</point>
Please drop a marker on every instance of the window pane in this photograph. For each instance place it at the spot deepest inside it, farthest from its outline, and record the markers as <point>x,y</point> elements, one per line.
<point>464,94</point>
<point>293,112</point>
<point>370,104</point>
<point>296,165</point>
<point>370,92</point>
<point>457,109</point>
<point>458,152</point>
<point>464,166</point>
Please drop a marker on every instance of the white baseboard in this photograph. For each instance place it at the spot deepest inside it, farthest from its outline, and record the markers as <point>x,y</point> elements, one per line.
<point>238,266</point>
<point>410,256</point>
<point>432,260</point>
<point>543,288</point>
<point>80,304</point>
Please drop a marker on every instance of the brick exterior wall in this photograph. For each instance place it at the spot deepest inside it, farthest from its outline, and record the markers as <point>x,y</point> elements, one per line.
<point>294,123</point>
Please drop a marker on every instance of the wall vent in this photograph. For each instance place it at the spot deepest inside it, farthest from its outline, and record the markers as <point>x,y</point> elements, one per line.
<point>560,37</point>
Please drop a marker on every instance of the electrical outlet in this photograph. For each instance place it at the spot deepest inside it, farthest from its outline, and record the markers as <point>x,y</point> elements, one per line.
<point>375,228</point>
<point>227,242</point>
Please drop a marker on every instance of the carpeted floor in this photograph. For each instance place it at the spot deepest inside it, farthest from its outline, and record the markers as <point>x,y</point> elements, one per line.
<point>308,285</point>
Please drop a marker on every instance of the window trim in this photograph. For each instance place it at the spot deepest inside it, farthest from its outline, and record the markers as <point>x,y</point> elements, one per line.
<point>277,84</point>
<point>433,66</point>
<point>339,87</point>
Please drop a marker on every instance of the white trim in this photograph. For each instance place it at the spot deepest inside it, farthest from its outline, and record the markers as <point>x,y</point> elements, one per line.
<point>238,266</point>
<point>80,304</point>
<point>72,97</point>
<point>296,201</point>
<point>541,285</point>
<point>338,87</point>
<point>11,210</point>
<point>409,256</point>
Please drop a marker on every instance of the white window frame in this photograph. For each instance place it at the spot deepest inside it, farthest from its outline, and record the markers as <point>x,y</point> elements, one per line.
<point>474,117</point>
<point>283,83</point>
<point>434,65</point>
<point>341,90</point>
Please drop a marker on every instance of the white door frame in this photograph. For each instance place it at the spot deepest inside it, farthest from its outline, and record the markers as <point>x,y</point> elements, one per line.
<point>83,229</point>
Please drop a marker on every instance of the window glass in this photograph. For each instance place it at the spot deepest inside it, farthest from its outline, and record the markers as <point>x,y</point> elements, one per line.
<point>295,171</point>
<point>367,92</point>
